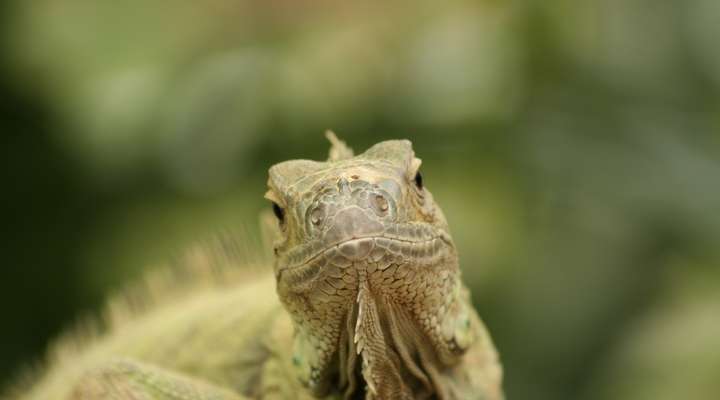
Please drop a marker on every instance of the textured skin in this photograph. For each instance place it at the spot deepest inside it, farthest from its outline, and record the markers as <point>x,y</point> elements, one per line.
<point>369,273</point>
<point>371,305</point>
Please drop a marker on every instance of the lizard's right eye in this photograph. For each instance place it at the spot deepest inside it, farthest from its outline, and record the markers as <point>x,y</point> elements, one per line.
<point>418,180</point>
<point>279,212</point>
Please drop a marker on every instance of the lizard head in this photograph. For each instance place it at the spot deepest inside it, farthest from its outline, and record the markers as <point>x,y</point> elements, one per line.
<point>346,207</point>
<point>364,261</point>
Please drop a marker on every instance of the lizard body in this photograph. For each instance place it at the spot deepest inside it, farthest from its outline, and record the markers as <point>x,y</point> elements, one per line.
<point>370,305</point>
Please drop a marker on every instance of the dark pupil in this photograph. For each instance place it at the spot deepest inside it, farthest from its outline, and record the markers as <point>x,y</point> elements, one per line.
<point>419,180</point>
<point>279,212</point>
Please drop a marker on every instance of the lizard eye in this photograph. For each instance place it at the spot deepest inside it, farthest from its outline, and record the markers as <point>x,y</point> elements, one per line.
<point>279,212</point>
<point>418,180</point>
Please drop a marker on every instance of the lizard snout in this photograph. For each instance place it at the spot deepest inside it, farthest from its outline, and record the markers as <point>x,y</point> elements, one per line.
<point>350,210</point>
<point>352,222</point>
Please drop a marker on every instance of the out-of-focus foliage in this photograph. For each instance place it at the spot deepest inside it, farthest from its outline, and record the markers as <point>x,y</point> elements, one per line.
<point>575,146</point>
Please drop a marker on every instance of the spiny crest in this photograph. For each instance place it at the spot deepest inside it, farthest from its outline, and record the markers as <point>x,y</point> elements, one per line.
<point>222,260</point>
<point>339,150</point>
<point>283,175</point>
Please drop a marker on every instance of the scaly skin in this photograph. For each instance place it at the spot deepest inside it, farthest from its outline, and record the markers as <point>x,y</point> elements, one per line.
<point>369,273</point>
<point>368,276</point>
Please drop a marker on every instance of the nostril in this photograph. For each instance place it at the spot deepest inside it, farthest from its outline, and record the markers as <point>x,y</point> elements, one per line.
<point>316,216</point>
<point>381,203</point>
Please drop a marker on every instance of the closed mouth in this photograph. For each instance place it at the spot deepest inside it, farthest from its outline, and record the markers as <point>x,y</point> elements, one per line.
<point>373,249</point>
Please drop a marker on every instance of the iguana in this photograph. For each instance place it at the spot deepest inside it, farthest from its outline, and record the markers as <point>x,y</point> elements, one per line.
<point>371,305</point>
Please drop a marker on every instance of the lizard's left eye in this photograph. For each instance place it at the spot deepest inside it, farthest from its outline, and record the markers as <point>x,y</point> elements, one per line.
<point>418,180</point>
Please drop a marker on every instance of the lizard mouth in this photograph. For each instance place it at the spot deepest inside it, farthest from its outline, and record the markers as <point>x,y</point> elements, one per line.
<point>380,250</point>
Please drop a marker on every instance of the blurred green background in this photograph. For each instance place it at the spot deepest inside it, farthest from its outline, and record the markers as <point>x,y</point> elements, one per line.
<point>574,145</point>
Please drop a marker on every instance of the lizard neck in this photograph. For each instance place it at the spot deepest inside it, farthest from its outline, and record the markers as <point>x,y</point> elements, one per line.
<point>396,338</point>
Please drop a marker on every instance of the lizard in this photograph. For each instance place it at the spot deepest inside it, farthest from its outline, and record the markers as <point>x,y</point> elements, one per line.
<point>368,303</point>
